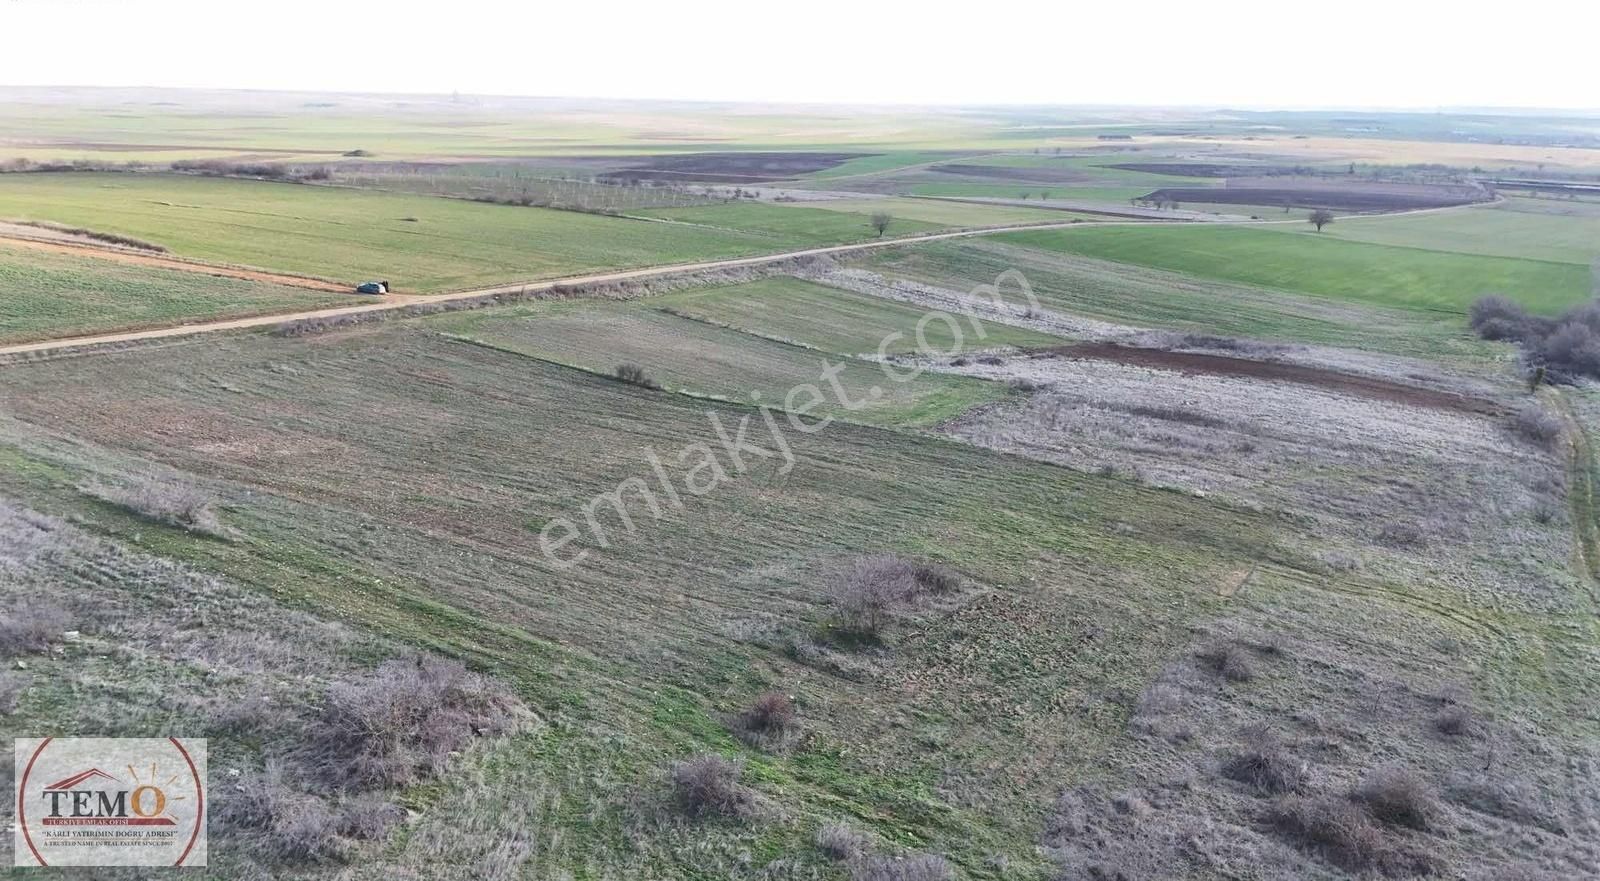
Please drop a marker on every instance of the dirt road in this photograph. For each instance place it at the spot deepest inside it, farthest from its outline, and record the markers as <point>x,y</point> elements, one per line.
<point>397,301</point>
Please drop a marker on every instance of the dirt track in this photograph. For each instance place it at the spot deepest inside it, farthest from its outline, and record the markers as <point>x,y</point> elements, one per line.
<point>397,301</point>
<point>1222,365</point>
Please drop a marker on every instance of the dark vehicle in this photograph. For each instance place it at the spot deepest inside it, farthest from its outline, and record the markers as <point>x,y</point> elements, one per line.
<point>373,287</point>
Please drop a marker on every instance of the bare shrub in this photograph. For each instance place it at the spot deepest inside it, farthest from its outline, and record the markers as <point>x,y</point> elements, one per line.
<point>1024,384</point>
<point>29,626</point>
<point>11,688</point>
<point>709,784</point>
<point>287,823</point>
<point>633,374</point>
<point>1332,828</point>
<point>840,842</point>
<point>1398,797</point>
<point>1455,721</point>
<point>369,819</point>
<point>1572,348</point>
<point>400,725</point>
<point>876,587</point>
<point>1537,425</point>
<point>1227,661</point>
<point>1265,765</point>
<point>1402,535</point>
<point>769,722</point>
<point>1498,318</point>
<point>174,504</point>
<point>919,867</point>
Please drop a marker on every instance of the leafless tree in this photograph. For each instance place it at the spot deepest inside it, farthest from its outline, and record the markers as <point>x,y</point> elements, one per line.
<point>1320,218</point>
<point>880,222</point>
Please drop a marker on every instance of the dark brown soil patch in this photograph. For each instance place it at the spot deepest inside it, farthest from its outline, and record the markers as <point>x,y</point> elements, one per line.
<point>1332,198</point>
<point>727,167</point>
<point>1006,172</point>
<point>1200,169</point>
<point>1343,383</point>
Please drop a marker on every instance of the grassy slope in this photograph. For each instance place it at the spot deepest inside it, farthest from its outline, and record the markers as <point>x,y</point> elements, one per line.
<point>1522,228</point>
<point>1155,298</point>
<point>943,213</point>
<point>44,294</point>
<point>788,226</point>
<point>1323,265</point>
<point>833,320</point>
<point>350,235</point>
<point>686,355</point>
<point>409,502</point>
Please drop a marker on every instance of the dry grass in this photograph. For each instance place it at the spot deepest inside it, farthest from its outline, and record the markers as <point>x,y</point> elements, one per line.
<point>840,842</point>
<point>402,724</point>
<point>1333,828</point>
<point>1398,797</point>
<point>286,823</point>
<point>30,625</point>
<point>1265,765</point>
<point>709,785</point>
<point>919,867</point>
<point>1537,425</point>
<point>1228,661</point>
<point>162,501</point>
<point>11,688</point>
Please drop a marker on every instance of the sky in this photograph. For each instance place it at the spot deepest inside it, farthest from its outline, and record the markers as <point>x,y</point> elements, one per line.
<point>1233,53</point>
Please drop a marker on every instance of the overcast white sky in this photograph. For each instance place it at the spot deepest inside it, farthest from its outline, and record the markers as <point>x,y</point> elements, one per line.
<point>1393,53</point>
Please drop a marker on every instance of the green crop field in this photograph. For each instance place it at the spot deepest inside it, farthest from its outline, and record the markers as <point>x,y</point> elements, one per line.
<point>45,294</point>
<point>1295,261</point>
<point>1532,229</point>
<point>1144,297</point>
<point>942,213</point>
<point>788,226</point>
<point>700,359</point>
<point>421,243</point>
<point>837,321</point>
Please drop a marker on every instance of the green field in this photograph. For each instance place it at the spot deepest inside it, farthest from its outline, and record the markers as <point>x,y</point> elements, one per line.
<point>1014,190</point>
<point>421,243</point>
<point>45,294</point>
<point>704,360</point>
<point>1143,297</point>
<point>1306,262</point>
<point>788,226</point>
<point>836,321</point>
<point>942,213</point>
<point>1523,228</point>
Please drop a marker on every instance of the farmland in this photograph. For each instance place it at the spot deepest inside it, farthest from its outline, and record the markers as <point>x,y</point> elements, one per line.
<point>1303,261</point>
<point>1179,550</point>
<point>423,244</point>
<point>48,294</point>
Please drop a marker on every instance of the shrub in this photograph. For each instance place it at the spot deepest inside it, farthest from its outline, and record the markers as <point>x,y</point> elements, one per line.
<point>876,587</point>
<point>11,689</point>
<point>1227,661</point>
<point>1264,765</point>
<point>1024,384</point>
<point>1537,424</point>
<point>768,721</point>
<point>173,504</point>
<point>1573,348</point>
<point>1402,535</point>
<point>400,725</point>
<point>1332,828</point>
<point>633,374</point>
<point>1498,318</point>
<point>1398,797</point>
<point>289,824</point>
<point>921,867</point>
<point>840,842</point>
<point>29,625</point>
<point>709,784</point>
<point>369,819</point>
<point>1454,721</point>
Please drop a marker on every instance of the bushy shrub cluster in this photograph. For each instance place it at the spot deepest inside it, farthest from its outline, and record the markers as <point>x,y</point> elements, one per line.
<point>1567,347</point>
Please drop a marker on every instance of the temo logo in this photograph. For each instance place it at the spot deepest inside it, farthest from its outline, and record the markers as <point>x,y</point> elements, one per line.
<point>126,801</point>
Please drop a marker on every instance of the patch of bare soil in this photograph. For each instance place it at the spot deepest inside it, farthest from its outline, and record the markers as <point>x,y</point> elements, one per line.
<point>1016,173</point>
<point>1200,169</point>
<point>727,167</point>
<point>1343,383</point>
<point>1323,192</point>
